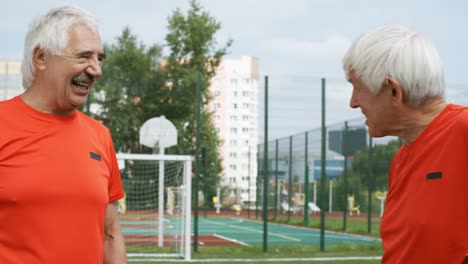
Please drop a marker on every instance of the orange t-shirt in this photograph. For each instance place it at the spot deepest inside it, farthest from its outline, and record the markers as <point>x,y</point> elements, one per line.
<point>57,176</point>
<point>426,214</point>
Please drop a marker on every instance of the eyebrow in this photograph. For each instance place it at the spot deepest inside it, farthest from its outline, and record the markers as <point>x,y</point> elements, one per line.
<point>88,53</point>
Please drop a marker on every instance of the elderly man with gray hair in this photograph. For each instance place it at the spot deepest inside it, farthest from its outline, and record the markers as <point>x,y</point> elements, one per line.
<point>398,84</point>
<point>59,178</point>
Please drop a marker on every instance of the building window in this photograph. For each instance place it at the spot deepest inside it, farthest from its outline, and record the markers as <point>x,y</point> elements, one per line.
<point>217,105</point>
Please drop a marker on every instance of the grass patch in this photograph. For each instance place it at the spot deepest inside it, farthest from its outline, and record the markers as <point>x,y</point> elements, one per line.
<point>277,252</point>
<point>374,249</point>
<point>255,252</point>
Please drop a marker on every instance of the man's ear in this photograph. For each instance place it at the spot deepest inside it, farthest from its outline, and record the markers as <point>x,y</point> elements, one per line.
<point>40,58</point>
<point>396,90</point>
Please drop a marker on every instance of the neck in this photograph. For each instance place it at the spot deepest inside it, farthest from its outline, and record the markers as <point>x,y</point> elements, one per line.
<point>416,119</point>
<point>40,102</point>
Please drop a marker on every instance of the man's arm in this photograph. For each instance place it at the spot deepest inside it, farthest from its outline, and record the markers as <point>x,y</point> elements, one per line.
<point>114,247</point>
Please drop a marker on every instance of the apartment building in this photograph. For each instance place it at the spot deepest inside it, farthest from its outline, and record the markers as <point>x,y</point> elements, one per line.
<point>235,105</point>
<point>10,79</point>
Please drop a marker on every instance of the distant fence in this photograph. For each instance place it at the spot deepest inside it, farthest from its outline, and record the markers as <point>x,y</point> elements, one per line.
<point>293,168</point>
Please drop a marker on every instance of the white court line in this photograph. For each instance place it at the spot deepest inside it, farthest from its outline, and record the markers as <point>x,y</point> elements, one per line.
<point>230,239</point>
<point>256,231</point>
<point>258,260</point>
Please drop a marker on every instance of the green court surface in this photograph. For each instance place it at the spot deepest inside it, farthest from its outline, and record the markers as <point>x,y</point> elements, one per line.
<point>249,232</point>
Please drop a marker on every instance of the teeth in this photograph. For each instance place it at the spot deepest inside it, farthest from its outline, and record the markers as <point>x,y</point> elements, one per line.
<point>84,85</point>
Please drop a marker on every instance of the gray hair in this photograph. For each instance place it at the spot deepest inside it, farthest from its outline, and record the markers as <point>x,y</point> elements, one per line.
<point>50,31</point>
<point>404,55</point>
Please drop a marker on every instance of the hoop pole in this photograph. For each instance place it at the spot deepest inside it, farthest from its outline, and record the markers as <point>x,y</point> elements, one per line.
<point>161,200</point>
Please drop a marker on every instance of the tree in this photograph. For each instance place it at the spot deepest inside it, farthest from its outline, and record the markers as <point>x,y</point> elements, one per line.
<point>129,91</point>
<point>127,95</point>
<point>358,177</point>
<point>192,49</point>
<point>381,158</point>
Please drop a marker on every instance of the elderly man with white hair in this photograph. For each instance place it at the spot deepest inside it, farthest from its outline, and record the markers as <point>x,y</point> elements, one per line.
<point>59,178</point>
<point>398,84</point>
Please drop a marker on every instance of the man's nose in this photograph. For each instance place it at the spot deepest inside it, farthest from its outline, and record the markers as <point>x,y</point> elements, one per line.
<point>354,101</point>
<point>94,68</point>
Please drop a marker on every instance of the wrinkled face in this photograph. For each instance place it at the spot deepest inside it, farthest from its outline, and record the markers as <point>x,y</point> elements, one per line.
<point>72,74</point>
<point>377,108</point>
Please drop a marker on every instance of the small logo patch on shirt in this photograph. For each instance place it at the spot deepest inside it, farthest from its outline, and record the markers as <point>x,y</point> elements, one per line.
<point>94,156</point>
<point>434,175</point>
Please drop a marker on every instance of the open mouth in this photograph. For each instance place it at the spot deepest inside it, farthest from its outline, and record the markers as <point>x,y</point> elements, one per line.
<point>81,85</point>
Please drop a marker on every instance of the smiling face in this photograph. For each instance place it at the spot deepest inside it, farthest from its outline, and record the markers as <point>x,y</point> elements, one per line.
<point>70,75</point>
<point>377,108</point>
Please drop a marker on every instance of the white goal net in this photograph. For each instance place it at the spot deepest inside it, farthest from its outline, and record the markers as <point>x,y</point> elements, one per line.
<point>155,213</point>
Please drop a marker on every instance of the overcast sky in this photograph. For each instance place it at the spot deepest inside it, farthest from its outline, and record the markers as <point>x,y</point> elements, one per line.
<point>297,41</point>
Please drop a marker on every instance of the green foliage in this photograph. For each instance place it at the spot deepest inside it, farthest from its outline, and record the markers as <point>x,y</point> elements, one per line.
<point>381,157</point>
<point>191,41</point>
<point>359,181</point>
<point>128,92</point>
<point>139,84</point>
<point>355,187</point>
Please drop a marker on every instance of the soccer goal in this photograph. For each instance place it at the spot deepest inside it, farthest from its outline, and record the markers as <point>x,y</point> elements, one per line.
<point>155,213</point>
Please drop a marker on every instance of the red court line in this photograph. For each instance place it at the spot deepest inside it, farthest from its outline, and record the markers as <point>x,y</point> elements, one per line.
<point>152,240</point>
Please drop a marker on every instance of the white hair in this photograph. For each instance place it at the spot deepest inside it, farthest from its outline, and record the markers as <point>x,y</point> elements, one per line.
<point>404,55</point>
<point>50,31</point>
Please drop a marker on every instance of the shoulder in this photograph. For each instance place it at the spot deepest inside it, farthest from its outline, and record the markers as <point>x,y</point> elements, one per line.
<point>464,112</point>
<point>92,123</point>
<point>9,104</point>
<point>95,130</point>
<point>10,108</point>
<point>457,120</point>
<point>454,116</point>
<point>462,116</point>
